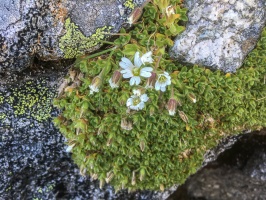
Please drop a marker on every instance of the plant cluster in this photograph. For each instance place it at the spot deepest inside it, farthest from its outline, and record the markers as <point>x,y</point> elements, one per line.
<point>136,119</point>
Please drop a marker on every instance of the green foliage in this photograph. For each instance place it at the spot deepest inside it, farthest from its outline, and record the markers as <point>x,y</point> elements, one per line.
<point>149,148</point>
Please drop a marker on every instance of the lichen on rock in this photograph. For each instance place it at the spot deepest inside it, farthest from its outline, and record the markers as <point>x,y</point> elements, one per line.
<point>74,43</point>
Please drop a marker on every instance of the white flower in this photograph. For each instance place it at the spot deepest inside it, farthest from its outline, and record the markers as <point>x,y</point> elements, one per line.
<point>134,71</point>
<point>162,81</point>
<point>137,100</point>
<point>146,58</point>
<point>95,84</point>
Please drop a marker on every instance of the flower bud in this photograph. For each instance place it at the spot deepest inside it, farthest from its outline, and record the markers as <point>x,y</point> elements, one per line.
<point>142,145</point>
<point>114,81</point>
<point>162,187</point>
<point>142,174</point>
<point>95,84</point>
<point>133,180</point>
<point>171,106</point>
<point>192,98</point>
<point>183,116</point>
<point>170,10</point>
<point>135,15</point>
<point>151,80</point>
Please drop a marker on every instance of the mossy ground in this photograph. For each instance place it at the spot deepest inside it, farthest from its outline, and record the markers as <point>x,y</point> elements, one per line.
<point>157,150</point>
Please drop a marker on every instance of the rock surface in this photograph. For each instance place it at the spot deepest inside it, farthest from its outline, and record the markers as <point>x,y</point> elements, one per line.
<point>237,173</point>
<point>56,29</point>
<point>221,33</point>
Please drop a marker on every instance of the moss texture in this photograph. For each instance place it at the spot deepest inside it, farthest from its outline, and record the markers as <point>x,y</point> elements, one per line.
<point>148,148</point>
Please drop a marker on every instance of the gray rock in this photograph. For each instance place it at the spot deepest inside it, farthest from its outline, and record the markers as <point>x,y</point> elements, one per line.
<point>238,172</point>
<point>55,29</point>
<point>220,33</point>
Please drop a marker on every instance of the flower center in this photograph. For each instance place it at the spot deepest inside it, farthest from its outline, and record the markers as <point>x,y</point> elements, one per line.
<point>136,71</point>
<point>136,101</point>
<point>162,79</point>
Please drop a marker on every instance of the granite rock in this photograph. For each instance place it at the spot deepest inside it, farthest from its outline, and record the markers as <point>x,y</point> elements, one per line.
<point>56,29</point>
<point>220,33</point>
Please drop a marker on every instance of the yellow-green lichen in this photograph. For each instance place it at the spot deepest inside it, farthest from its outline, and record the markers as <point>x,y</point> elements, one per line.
<point>32,99</point>
<point>2,116</point>
<point>1,99</point>
<point>129,4</point>
<point>74,43</point>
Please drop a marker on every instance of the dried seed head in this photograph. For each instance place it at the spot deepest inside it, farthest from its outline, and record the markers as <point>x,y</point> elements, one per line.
<point>183,116</point>
<point>109,177</point>
<point>94,176</point>
<point>72,75</point>
<point>126,125</point>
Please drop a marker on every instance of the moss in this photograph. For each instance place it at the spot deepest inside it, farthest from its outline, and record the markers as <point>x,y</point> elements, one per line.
<point>149,148</point>
<point>129,4</point>
<point>31,100</point>
<point>74,43</point>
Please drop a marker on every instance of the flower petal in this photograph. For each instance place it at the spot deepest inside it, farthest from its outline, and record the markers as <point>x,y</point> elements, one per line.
<point>137,60</point>
<point>147,58</point>
<point>157,85</point>
<point>126,63</point>
<point>141,105</point>
<point>129,102</point>
<point>144,98</point>
<point>127,73</point>
<point>137,92</point>
<point>135,80</point>
<point>134,107</point>
<point>163,89</point>
<point>146,72</point>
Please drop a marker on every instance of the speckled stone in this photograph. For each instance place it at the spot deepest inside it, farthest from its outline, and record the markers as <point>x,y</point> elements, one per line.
<point>33,28</point>
<point>220,33</point>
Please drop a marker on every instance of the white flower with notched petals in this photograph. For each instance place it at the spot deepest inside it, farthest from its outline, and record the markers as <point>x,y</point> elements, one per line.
<point>134,72</point>
<point>162,81</point>
<point>146,58</point>
<point>137,100</point>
